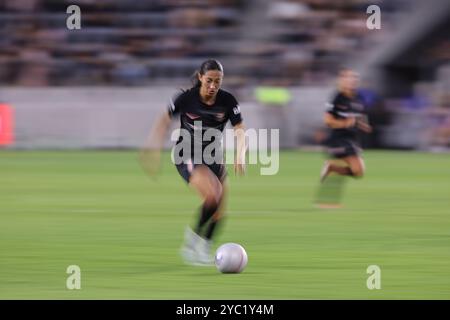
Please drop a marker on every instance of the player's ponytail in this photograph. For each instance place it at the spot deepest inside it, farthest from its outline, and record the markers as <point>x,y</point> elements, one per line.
<point>206,66</point>
<point>194,79</point>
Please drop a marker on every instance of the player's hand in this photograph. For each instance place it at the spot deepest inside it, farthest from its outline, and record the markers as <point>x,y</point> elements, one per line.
<point>350,122</point>
<point>364,126</point>
<point>150,160</point>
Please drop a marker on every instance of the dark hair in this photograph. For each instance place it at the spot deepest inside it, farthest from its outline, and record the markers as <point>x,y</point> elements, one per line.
<point>206,66</point>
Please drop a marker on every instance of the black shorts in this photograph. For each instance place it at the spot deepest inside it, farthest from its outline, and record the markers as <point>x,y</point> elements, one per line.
<point>185,170</point>
<point>341,148</point>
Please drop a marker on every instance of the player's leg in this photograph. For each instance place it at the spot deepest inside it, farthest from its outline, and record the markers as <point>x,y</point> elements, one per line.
<point>209,188</point>
<point>331,167</point>
<point>336,167</point>
<point>219,214</point>
<point>350,165</point>
<point>330,191</point>
<point>356,166</point>
<point>346,162</point>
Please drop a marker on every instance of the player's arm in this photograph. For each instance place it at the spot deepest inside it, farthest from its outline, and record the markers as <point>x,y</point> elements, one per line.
<point>348,122</point>
<point>239,161</point>
<point>338,123</point>
<point>363,124</point>
<point>156,137</point>
<point>150,153</point>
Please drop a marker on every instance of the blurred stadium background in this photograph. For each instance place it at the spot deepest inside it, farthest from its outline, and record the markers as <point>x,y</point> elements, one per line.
<point>100,87</point>
<point>99,83</point>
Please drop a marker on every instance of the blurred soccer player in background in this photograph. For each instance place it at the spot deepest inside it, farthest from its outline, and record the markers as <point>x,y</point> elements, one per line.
<point>205,106</point>
<point>345,117</point>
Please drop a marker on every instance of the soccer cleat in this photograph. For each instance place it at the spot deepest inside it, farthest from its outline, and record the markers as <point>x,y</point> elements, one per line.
<point>189,255</point>
<point>325,171</point>
<point>204,257</point>
<point>188,250</point>
<point>196,250</point>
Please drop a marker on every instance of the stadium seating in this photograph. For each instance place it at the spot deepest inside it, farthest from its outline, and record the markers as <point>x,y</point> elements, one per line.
<point>142,42</point>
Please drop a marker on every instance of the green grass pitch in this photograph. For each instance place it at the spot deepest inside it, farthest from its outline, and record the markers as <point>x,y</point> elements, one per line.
<point>99,211</point>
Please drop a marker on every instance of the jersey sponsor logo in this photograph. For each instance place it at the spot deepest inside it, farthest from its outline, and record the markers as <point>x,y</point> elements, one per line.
<point>192,116</point>
<point>236,110</point>
<point>220,116</point>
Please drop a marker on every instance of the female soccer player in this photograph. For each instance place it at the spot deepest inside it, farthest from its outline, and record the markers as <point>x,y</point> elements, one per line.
<point>345,118</point>
<point>203,108</point>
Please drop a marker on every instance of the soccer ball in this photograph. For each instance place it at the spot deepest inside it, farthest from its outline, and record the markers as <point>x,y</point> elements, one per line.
<point>231,258</point>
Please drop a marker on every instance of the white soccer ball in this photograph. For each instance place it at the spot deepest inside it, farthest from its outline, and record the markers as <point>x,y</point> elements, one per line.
<point>231,258</point>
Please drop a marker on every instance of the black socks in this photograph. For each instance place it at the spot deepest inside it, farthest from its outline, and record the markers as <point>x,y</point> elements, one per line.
<point>207,211</point>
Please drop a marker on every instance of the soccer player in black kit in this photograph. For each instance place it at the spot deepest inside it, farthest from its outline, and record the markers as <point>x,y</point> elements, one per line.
<point>203,107</point>
<point>345,117</point>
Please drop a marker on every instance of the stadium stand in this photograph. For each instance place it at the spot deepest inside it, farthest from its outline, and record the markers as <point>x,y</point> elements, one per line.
<point>303,42</point>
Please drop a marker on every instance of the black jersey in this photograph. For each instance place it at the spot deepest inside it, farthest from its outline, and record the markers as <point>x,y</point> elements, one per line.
<point>343,107</point>
<point>195,113</point>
